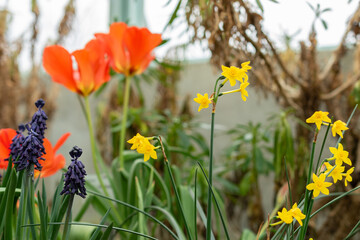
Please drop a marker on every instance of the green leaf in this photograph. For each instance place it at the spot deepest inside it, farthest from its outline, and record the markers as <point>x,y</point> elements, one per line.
<point>43,215</point>
<point>102,222</point>
<point>188,203</point>
<point>58,217</point>
<point>324,24</point>
<point>139,194</point>
<point>9,206</point>
<point>247,235</point>
<point>174,15</point>
<point>260,5</point>
<point>107,232</point>
<point>245,184</point>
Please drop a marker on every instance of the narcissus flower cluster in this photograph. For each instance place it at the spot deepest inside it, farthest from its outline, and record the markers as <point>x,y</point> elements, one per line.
<point>288,216</point>
<point>231,75</point>
<point>143,146</point>
<point>336,170</point>
<point>321,118</point>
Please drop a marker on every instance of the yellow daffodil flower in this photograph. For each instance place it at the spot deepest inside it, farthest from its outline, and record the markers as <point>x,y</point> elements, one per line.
<point>136,141</point>
<point>147,149</point>
<point>336,173</point>
<point>318,117</point>
<point>245,66</point>
<point>347,176</point>
<point>285,216</point>
<point>338,127</point>
<point>340,155</point>
<point>233,73</point>
<point>297,214</point>
<point>243,91</point>
<point>204,101</point>
<point>319,185</point>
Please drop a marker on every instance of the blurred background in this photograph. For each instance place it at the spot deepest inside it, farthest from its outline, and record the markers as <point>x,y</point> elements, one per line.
<point>305,57</point>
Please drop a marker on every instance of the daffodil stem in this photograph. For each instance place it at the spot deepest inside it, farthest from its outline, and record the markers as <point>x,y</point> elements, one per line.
<point>93,147</point>
<point>307,194</point>
<point>123,121</point>
<point>208,221</point>
<point>67,218</point>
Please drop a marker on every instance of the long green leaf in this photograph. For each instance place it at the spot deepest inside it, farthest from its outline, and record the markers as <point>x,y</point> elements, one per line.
<point>97,225</point>
<point>141,222</point>
<point>98,229</point>
<point>107,232</point>
<point>136,209</point>
<point>174,15</point>
<point>9,205</point>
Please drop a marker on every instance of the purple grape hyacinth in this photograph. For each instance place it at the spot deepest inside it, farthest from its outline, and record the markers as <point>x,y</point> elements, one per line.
<point>74,182</point>
<point>30,152</point>
<point>17,142</point>
<point>30,149</point>
<point>38,121</point>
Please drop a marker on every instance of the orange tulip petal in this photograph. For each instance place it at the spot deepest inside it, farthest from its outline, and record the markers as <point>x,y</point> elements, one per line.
<point>52,163</point>
<point>100,64</point>
<point>58,64</point>
<point>57,164</point>
<point>61,141</point>
<point>6,136</point>
<point>140,42</point>
<point>86,80</point>
<point>114,46</point>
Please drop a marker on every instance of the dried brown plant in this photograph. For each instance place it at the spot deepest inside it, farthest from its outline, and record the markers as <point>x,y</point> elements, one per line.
<point>302,81</point>
<point>19,91</point>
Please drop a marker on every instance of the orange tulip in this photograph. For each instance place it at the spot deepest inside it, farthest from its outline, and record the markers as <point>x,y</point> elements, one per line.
<point>6,136</point>
<point>52,162</point>
<point>129,48</point>
<point>90,72</point>
<point>50,165</point>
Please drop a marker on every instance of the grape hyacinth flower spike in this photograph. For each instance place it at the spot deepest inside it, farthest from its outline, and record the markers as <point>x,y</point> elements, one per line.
<point>74,182</point>
<point>17,142</point>
<point>38,121</point>
<point>30,152</point>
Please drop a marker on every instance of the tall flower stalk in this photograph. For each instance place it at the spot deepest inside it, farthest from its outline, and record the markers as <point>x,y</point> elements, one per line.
<point>28,156</point>
<point>130,52</point>
<point>124,121</point>
<point>232,75</point>
<point>74,183</point>
<point>93,146</point>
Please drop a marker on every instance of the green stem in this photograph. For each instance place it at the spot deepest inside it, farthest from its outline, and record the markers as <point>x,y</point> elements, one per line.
<point>67,218</point>
<point>306,202</point>
<point>92,142</point>
<point>208,220</point>
<point>123,122</point>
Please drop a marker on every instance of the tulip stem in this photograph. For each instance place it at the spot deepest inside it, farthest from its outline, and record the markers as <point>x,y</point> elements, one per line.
<point>92,142</point>
<point>123,121</point>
